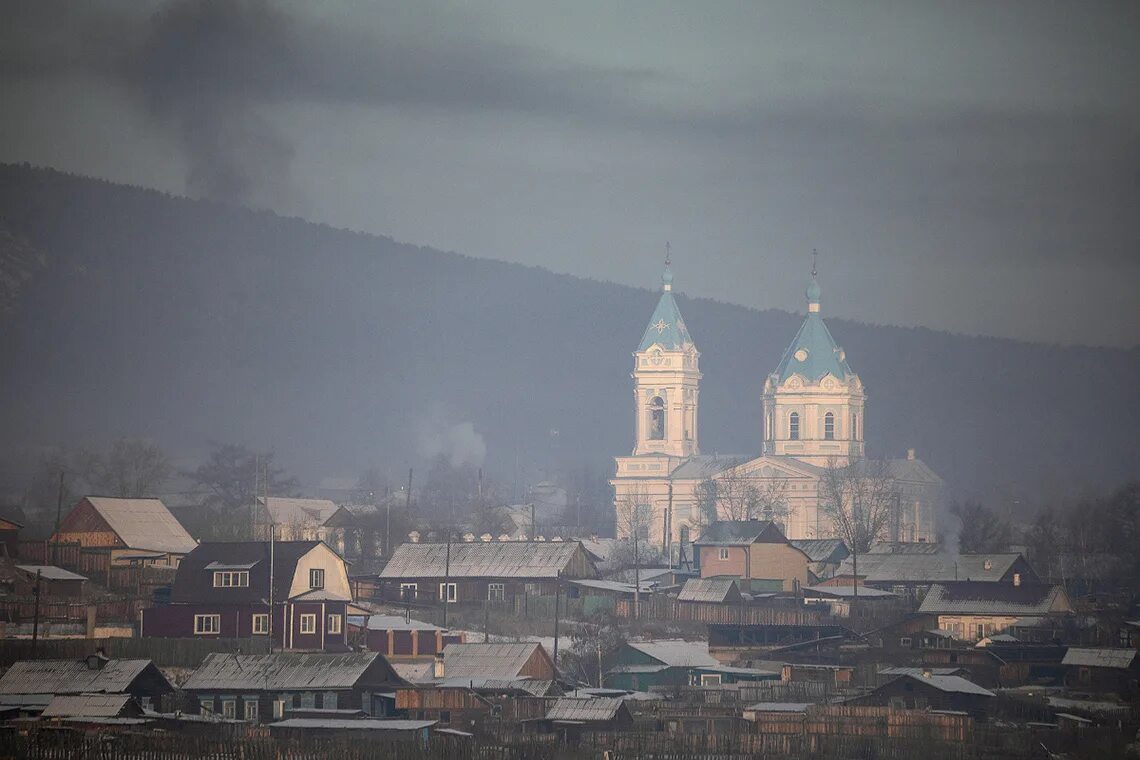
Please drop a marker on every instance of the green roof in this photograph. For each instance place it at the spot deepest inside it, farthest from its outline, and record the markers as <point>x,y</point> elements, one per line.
<point>813,353</point>
<point>666,328</point>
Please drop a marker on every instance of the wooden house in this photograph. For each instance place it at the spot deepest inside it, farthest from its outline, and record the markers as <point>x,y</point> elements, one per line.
<point>482,571</point>
<point>54,581</point>
<point>642,665</point>
<point>1110,671</point>
<point>929,691</point>
<point>10,527</point>
<point>752,551</point>
<point>265,687</point>
<point>35,682</point>
<point>400,638</point>
<point>973,610</point>
<point>911,569</point>
<point>140,531</point>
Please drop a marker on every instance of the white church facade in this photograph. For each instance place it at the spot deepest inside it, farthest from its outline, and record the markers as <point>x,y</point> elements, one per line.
<point>812,420</point>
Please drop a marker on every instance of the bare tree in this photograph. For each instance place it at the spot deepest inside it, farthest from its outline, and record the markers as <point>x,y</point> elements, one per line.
<point>859,499</point>
<point>736,495</point>
<point>634,519</point>
<point>130,469</point>
<point>982,530</point>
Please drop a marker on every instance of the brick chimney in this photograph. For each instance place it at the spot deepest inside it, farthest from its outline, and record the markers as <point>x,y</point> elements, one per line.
<point>910,454</point>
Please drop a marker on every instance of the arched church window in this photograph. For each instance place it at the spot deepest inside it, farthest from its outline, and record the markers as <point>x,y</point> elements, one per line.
<point>768,427</point>
<point>794,426</point>
<point>829,426</point>
<point>657,419</point>
<point>854,426</point>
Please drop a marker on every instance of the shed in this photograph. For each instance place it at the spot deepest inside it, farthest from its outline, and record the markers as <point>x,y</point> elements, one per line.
<point>594,714</point>
<point>723,590</point>
<point>55,581</point>
<point>126,526</point>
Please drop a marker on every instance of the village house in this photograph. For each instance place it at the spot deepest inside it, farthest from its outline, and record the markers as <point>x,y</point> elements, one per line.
<point>825,554</point>
<point>838,599</point>
<point>571,717</point>
<point>305,520</point>
<point>910,569</point>
<point>482,571</point>
<point>263,687</point>
<point>641,665</point>
<point>973,610</point>
<point>751,550</point>
<point>32,684</point>
<point>223,590</point>
<point>929,691</point>
<point>10,535</point>
<point>400,638</point>
<point>1111,671</point>
<point>140,531</point>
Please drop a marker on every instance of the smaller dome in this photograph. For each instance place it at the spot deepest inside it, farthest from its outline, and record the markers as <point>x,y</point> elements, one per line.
<point>812,292</point>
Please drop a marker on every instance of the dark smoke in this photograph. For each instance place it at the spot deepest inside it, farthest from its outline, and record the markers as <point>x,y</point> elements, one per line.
<point>202,69</point>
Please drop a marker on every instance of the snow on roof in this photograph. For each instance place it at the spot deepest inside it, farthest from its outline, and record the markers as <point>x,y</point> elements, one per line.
<point>70,676</point>
<point>398,623</point>
<point>144,524</point>
<point>677,652</point>
<point>505,559</point>
<point>282,670</point>
<point>950,684</point>
<point>781,707</point>
<point>593,709</point>
<point>489,660</point>
<point>86,705</point>
<point>1119,659</point>
<point>972,598</point>
<point>51,572</point>
<point>354,724</point>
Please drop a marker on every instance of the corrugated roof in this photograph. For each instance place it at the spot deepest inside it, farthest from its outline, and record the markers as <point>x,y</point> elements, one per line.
<point>52,573</point>
<point>780,707</point>
<point>709,590</point>
<point>398,623</point>
<point>414,672</point>
<point>533,686</point>
<point>593,709</point>
<point>844,592</point>
<point>951,684</point>
<point>359,724</point>
<point>736,532</point>
<point>1118,659</point>
<point>677,652</point>
<point>822,549</point>
<point>506,559</point>
<point>617,587</point>
<point>144,524</point>
<point>86,706</point>
<point>70,676</point>
<point>287,511</point>
<point>487,660</point>
<point>283,670</point>
<point>930,568</point>
<point>972,598</point>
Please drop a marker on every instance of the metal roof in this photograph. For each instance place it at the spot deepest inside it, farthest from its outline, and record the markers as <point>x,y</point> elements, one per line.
<point>709,590</point>
<point>414,672</point>
<point>907,671</point>
<point>286,511</point>
<point>781,707</point>
<point>677,652</point>
<point>950,684</point>
<point>361,724</point>
<point>737,532</point>
<point>70,676</point>
<point>1119,659</point>
<point>144,524</point>
<point>975,598</point>
<point>618,587</point>
<point>398,623</point>
<point>930,568</point>
<point>86,706</point>
<point>822,549</point>
<point>496,559</point>
<point>487,660</point>
<point>666,327</point>
<point>533,686</point>
<point>813,353</point>
<point>52,573</point>
<point>282,670</point>
<point>844,592</point>
<point>593,709</point>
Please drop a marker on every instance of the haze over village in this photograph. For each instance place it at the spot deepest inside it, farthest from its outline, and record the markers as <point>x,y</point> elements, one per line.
<point>448,380</point>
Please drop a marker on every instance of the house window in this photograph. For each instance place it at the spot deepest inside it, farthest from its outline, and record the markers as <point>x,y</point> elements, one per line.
<point>710,679</point>
<point>317,578</point>
<point>260,624</point>
<point>308,624</point>
<point>657,419</point>
<point>278,709</point>
<point>207,624</point>
<point>496,592</point>
<point>904,641</point>
<point>231,579</point>
<point>448,591</point>
<point>445,716</point>
<point>206,705</point>
<point>723,552</point>
<point>829,426</point>
<point>408,591</point>
<point>229,709</point>
<point>794,426</point>
<point>334,624</point>
<point>251,710</point>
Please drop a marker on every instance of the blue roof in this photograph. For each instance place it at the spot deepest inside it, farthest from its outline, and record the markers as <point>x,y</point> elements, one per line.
<point>666,328</point>
<point>820,355</point>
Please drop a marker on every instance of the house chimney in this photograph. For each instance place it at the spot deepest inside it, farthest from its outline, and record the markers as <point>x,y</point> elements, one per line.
<point>988,564</point>
<point>437,667</point>
<point>910,454</point>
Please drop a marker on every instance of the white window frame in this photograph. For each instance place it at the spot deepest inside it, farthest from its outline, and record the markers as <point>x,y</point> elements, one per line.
<point>231,579</point>
<point>311,620</point>
<point>496,592</point>
<point>207,625</point>
<point>259,624</point>
<point>229,709</point>
<point>723,554</point>
<point>251,710</point>
<point>333,624</point>
<point>710,679</point>
<point>451,590</point>
<point>415,587</point>
<point>316,577</point>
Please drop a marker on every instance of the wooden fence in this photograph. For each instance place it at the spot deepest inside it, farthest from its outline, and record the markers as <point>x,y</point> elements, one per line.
<point>661,607</point>
<point>23,609</point>
<point>185,653</point>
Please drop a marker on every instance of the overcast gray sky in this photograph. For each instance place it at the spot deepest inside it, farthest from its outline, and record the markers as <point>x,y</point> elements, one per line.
<point>973,167</point>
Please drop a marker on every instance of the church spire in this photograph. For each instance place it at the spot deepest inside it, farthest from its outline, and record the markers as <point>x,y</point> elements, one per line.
<point>813,292</point>
<point>667,275</point>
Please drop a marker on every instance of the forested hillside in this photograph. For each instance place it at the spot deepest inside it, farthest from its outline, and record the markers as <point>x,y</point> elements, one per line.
<point>131,312</point>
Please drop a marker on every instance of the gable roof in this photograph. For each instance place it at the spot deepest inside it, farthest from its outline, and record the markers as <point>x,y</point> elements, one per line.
<point>290,511</point>
<point>488,660</point>
<point>88,706</point>
<point>289,671</point>
<point>493,559</point>
<point>931,567</point>
<point>676,652</point>
<point>974,598</point>
<point>822,549</point>
<point>710,590</point>
<point>143,524</point>
<point>593,709</point>
<point>948,684</point>
<point>1118,659</point>
<point>74,676</point>
<point>194,579</point>
<point>740,533</point>
<point>51,572</point>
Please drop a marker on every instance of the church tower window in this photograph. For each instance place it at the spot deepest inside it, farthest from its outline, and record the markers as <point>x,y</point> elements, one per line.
<point>829,426</point>
<point>794,426</point>
<point>657,419</point>
<point>854,426</point>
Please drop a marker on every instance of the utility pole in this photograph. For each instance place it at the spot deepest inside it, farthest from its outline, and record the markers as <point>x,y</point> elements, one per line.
<point>557,598</point>
<point>668,538</point>
<point>446,577</point>
<point>36,613</point>
<point>272,538</point>
<point>58,518</point>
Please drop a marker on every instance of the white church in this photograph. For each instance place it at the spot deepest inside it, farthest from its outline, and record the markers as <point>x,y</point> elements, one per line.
<point>813,419</point>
